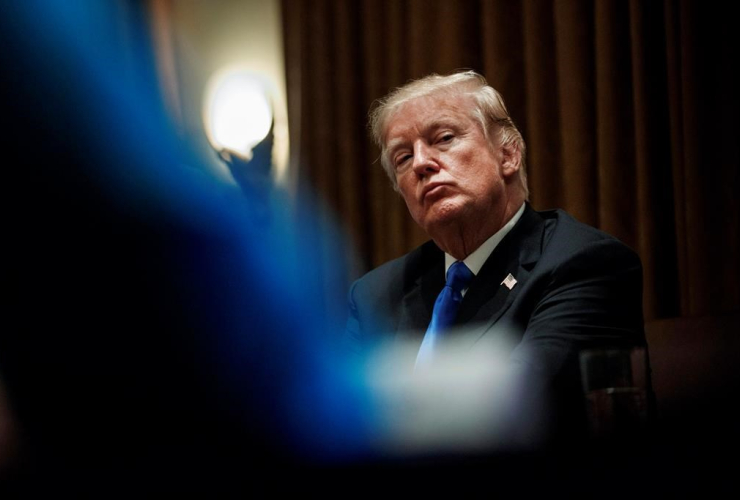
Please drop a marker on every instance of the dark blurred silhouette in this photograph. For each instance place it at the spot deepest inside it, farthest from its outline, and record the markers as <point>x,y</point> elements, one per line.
<point>157,334</point>
<point>158,337</point>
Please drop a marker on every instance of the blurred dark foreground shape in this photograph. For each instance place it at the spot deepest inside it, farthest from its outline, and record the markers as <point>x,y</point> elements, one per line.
<point>159,339</point>
<point>158,334</point>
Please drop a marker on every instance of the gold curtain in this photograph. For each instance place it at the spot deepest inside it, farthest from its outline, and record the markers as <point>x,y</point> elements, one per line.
<point>629,110</point>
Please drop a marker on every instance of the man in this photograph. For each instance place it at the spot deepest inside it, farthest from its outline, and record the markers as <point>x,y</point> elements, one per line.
<point>541,283</point>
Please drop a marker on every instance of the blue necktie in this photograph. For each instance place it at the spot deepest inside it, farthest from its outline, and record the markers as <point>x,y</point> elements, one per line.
<point>445,310</point>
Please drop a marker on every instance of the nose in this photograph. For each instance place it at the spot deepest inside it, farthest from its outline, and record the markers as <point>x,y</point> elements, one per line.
<point>425,160</point>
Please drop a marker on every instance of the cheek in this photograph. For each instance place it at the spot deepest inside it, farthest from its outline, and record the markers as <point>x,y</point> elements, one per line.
<point>407,194</point>
<point>416,210</point>
<point>406,187</point>
<point>470,162</point>
<point>412,205</point>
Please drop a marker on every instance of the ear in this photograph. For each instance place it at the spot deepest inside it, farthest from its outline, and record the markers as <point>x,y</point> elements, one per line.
<point>511,160</point>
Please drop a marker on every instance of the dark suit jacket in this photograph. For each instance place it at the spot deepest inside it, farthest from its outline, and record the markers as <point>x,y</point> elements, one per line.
<point>577,288</point>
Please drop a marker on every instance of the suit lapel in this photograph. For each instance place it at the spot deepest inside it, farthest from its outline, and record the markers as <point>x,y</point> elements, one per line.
<point>487,298</point>
<point>418,302</point>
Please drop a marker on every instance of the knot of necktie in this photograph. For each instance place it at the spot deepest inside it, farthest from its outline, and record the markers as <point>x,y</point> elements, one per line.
<point>459,276</point>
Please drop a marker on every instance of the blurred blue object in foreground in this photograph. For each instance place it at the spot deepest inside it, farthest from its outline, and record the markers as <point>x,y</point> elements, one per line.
<point>160,333</point>
<point>157,333</point>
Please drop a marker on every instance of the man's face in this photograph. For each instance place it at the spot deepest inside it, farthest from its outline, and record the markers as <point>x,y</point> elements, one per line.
<point>447,171</point>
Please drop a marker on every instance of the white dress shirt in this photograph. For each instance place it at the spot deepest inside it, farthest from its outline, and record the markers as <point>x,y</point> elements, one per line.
<point>475,260</point>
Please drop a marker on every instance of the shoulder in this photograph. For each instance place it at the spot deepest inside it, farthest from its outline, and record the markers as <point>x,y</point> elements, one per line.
<point>571,248</point>
<point>398,275</point>
<point>569,240</point>
<point>376,300</point>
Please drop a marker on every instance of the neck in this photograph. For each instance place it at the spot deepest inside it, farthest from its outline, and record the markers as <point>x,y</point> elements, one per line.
<point>461,238</point>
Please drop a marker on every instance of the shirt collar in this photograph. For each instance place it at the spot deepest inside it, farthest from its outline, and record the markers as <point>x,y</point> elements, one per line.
<point>475,260</point>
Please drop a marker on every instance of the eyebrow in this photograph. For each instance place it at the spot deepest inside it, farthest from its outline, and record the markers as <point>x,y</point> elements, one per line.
<point>436,124</point>
<point>394,144</point>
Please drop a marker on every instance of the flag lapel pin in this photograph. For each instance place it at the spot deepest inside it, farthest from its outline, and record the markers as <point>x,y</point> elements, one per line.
<point>509,281</point>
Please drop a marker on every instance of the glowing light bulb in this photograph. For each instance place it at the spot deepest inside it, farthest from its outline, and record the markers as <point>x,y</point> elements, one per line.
<point>237,112</point>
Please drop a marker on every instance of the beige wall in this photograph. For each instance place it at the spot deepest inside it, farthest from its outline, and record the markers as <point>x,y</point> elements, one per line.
<point>196,39</point>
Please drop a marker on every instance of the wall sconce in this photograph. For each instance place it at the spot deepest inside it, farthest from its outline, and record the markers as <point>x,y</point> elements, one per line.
<point>238,119</point>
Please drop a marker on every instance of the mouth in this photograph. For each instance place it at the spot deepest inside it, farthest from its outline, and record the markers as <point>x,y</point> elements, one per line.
<point>432,192</point>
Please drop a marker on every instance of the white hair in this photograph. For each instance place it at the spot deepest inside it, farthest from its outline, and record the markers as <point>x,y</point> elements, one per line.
<point>490,111</point>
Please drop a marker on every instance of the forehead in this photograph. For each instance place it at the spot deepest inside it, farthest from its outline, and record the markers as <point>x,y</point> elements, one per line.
<point>421,114</point>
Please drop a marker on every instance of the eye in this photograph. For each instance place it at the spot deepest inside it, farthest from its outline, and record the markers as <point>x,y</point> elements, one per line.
<point>402,158</point>
<point>446,137</point>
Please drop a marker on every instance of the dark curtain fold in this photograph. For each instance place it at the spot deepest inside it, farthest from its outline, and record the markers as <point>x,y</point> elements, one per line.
<point>628,108</point>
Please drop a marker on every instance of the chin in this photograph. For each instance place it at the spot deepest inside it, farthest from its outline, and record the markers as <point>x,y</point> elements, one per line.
<point>446,213</point>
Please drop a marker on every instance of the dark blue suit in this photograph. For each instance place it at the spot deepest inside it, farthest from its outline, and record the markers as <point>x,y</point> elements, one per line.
<point>577,288</point>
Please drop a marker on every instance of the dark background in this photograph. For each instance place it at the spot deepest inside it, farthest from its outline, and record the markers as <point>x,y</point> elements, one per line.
<point>629,111</point>
<point>628,108</point>
<point>630,114</point>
